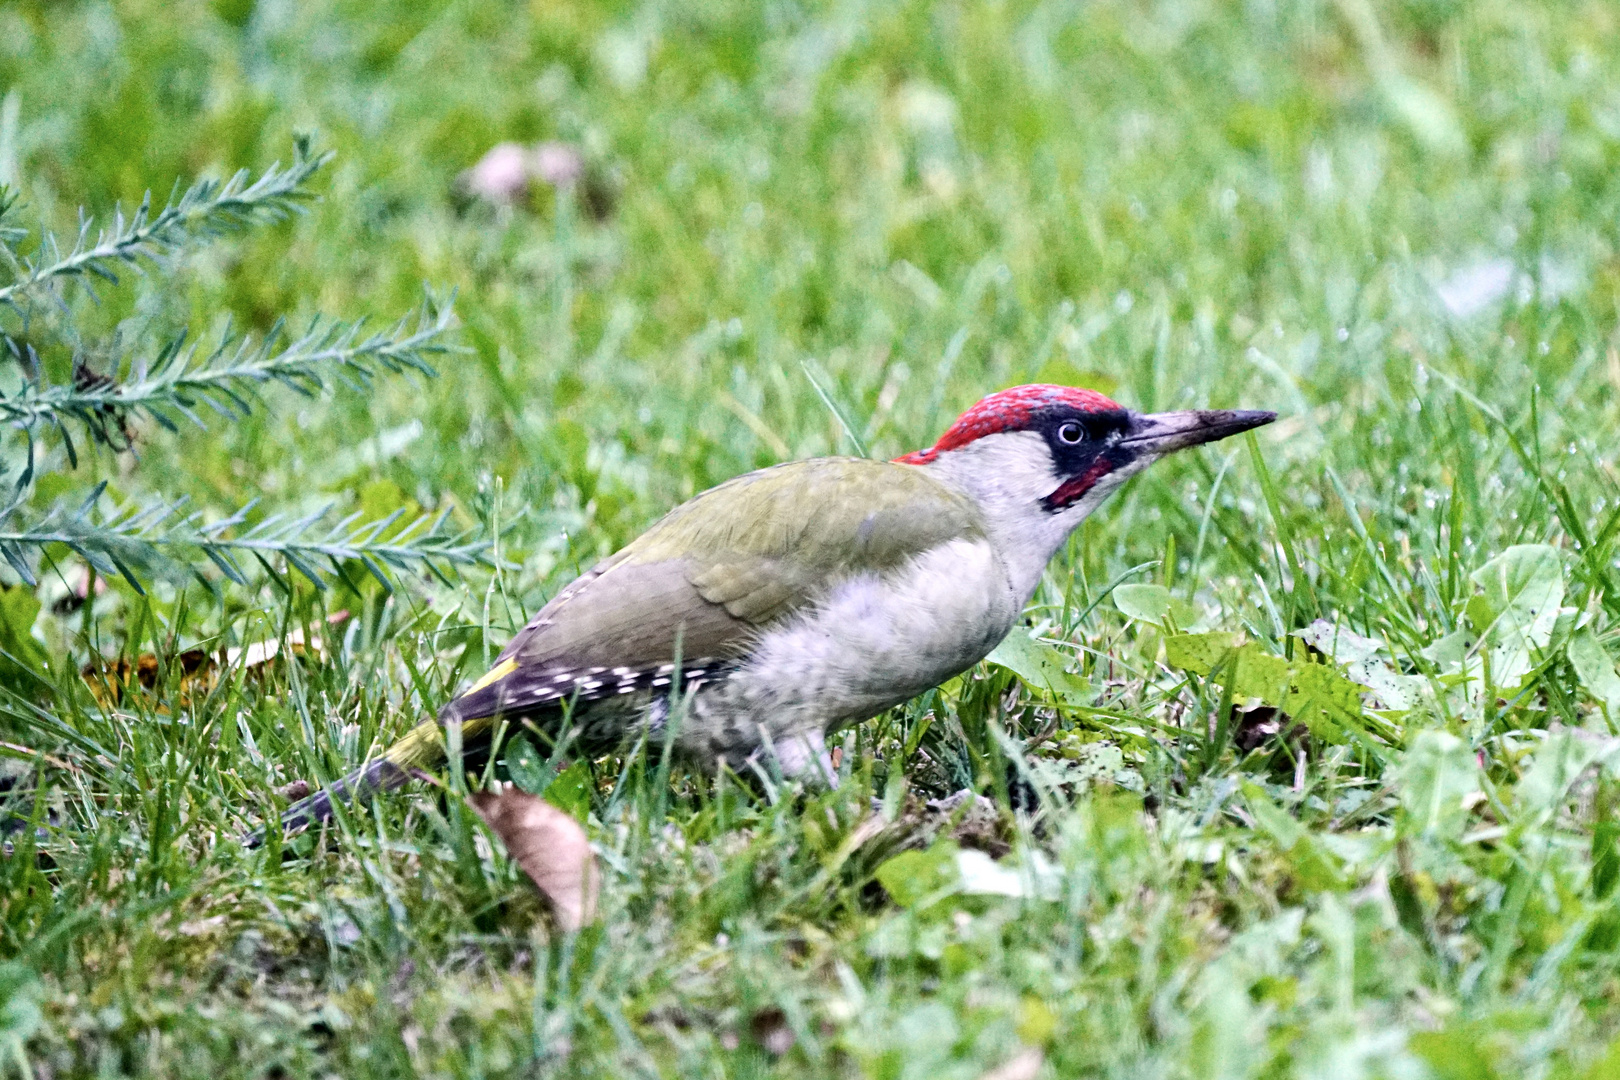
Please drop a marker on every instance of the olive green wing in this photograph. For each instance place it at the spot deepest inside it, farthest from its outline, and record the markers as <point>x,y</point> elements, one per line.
<point>700,584</point>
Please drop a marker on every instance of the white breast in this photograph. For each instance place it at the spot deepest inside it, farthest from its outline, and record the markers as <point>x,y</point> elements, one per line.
<point>879,639</point>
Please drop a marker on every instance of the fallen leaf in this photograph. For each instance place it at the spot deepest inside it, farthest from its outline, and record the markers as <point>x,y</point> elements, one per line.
<point>1024,1065</point>
<point>551,848</point>
<point>111,681</point>
<point>1338,642</point>
<point>260,653</point>
<point>980,875</point>
<point>28,753</point>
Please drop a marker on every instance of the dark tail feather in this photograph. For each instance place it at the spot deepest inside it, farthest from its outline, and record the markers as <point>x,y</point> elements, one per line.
<point>380,775</point>
<point>421,747</point>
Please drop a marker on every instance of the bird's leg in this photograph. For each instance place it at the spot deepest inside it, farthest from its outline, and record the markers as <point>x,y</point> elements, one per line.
<point>798,755</point>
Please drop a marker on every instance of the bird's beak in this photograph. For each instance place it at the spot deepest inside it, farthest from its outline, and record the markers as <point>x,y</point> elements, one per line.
<point>1157,434</point>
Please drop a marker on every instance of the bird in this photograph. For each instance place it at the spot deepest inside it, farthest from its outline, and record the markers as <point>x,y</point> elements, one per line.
<point>767,612</point>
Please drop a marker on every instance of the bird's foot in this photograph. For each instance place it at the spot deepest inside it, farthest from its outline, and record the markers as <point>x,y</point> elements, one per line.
<point>800,755</point>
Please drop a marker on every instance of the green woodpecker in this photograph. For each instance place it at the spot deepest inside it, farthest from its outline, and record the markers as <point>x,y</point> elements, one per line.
<point>757,617</point>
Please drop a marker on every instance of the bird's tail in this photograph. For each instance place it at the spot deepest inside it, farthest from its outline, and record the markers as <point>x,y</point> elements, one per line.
<point>420,748</point>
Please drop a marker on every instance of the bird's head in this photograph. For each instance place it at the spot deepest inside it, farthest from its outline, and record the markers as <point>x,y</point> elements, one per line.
<point>1040,458</point>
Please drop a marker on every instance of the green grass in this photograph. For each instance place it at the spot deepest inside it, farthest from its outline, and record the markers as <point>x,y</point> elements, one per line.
<point>1181,203</point>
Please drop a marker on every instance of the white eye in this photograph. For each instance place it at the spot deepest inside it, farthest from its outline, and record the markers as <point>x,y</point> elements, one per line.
<point>1071,433</point>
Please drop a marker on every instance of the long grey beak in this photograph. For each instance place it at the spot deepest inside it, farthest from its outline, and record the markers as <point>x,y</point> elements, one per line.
<point>1161,433</point>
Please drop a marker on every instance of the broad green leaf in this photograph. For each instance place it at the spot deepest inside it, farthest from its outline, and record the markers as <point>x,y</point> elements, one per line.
<point>1153,604</point>
<point>20,1015</point>
<point>19,607</point>
<point>1197,653</point>
<point>1595,670</point>
<point>1449,651</point>
<point>1083,766</point>
<point>526,767</point>
<point>1523,587</point>
<point>1041,667</point>
<point>1150,603</point>
<point>1510,663</point>
<point>1439,773</point>
<point>1315,868</point>
<point>1316,695</point>
<point>1481,615</point>
<point>1396,691</point>
<point>1099,761</point>
<point>1558,762</point>
<point>1271,819</point>
<point>1259,674</point>
<point>1323,700</point>
<point>1323,684</point>
<point>914,875</point>
<point>1468,1051</point>
<point>570,790</point>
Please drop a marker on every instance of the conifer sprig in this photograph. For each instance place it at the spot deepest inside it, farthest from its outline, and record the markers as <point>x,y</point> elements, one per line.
<point>136,542</point>
<point>176,382</point>
<point>207,209</point>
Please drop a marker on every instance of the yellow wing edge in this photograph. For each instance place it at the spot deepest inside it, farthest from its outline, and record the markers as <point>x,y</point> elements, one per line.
<point>495,674</point>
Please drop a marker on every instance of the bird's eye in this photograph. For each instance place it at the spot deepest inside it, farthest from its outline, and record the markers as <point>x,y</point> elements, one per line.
<point>1071,432</point>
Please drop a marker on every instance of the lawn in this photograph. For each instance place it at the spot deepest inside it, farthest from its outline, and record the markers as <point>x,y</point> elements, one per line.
<point>1305,763</point>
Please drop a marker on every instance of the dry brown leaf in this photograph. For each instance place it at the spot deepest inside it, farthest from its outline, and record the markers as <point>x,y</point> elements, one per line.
<point>551,848</point>
<point>112,680</point>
